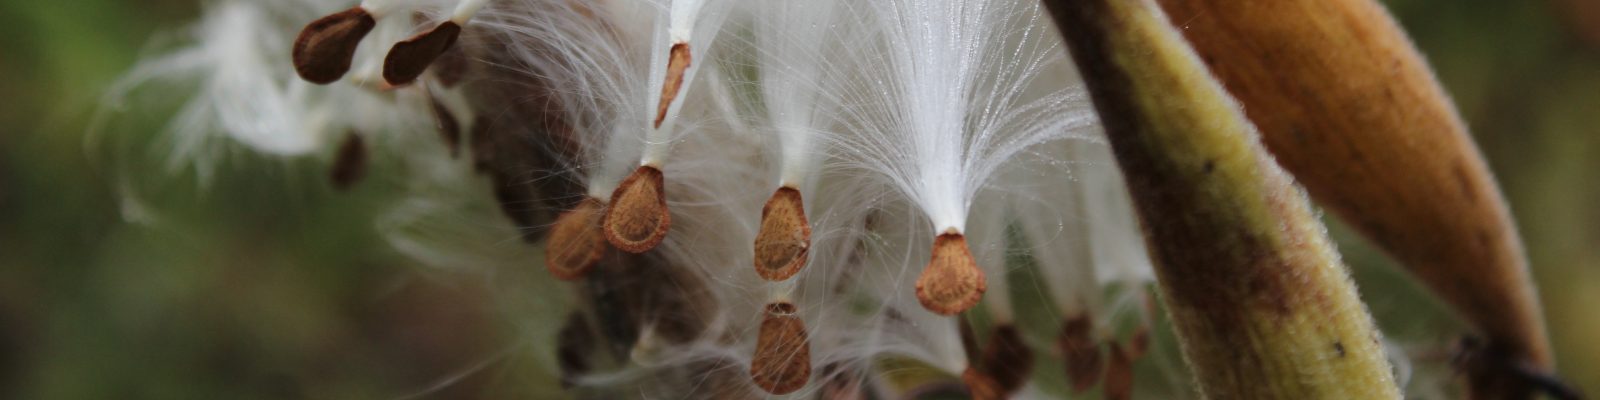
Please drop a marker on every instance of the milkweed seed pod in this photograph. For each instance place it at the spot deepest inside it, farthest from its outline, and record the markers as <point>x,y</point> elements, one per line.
<point>1262,305</point>
<point>844,199</point>
<point>1349,107</point>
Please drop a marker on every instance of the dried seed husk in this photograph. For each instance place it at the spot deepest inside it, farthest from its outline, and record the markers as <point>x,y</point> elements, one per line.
<point>638,218</point>
<point>677,63</point>
<point>1255,291</point>
<point>1348,106</point>
<point>409,58</point>
<point>782,363</point>
<point>576,241</point>
<point>784,240</point>
<point>323,50</point>
<point>951,282</point>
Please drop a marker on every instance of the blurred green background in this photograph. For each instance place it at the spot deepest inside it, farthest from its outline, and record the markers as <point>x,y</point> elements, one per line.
<point>268,285</point>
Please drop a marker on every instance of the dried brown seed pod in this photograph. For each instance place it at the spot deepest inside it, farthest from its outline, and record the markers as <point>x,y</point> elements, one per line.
<point>324,48</point>
<point>951,282</point>
<point>782,363</point>
<point>785,237</point>
<point>638,218</point>
<point>409,58</point>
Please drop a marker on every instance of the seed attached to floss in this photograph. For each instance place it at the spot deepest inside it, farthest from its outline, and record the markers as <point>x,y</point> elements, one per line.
<point>785,237</point>
<point>409,58</point>
<point>951,282</point>
<point>323,51</point>
<point>576,242</point>
<point>1081,354</point>
<point>638,218</point>
<point>782,363</point>
<point>677,63</point>
<point>350,163</point>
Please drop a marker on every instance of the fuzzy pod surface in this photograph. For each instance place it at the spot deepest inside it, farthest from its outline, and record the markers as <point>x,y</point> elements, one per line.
<point>1261,304</point>
<point>1346,103</point>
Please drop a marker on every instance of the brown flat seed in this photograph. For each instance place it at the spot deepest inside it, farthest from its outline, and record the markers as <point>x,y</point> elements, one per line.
<point>677,63</point>
<point>638,218</point>
<point>449,128</point>
<point>350,163</point>
<point>980,386</point>
<point>951,282</point>
<point>408,58</point>
<point>785,236</point>
<point>324,48</point>
<point>1081,354</point>
<point>1006,359</point>
<point>1119,375</point>
<point>576,242</point>
<point>782,363</point>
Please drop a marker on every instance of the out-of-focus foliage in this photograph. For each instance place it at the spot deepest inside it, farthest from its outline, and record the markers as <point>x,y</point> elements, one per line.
<point>268,284</point>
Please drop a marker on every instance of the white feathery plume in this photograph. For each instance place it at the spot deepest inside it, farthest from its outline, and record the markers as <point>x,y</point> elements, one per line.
<point>595,73</point>
<point>955,128</point>
<point>937,107</point>
<point>247,95</point>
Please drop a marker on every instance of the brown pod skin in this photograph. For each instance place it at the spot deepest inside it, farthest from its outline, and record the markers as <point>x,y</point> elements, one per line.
<point>784,241</point>
<point>1349,107</point>
<point>409,58</point>
<point>782,363</point>
<point>324,48</point>
<point>638,218</point>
